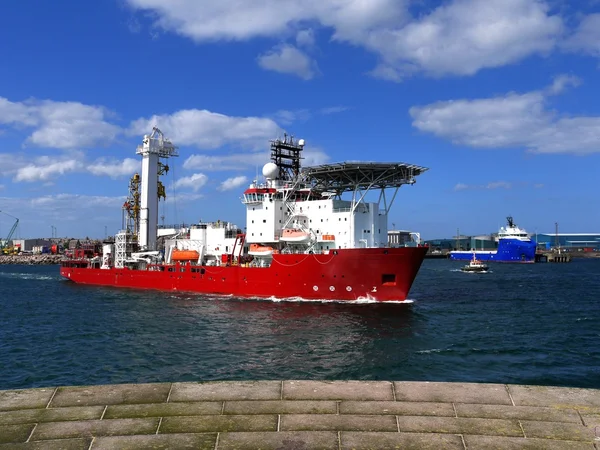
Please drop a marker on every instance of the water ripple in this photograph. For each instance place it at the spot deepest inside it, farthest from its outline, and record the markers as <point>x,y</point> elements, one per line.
<point>533,324</point>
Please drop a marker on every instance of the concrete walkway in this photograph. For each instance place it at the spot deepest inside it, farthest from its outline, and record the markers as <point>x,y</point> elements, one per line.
<point>301,415</point>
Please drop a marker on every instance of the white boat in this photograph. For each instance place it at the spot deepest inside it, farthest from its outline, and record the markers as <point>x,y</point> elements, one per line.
<point>475,266</point>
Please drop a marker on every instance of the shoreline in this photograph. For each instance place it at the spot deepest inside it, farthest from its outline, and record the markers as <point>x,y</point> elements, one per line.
<point>30,260</point>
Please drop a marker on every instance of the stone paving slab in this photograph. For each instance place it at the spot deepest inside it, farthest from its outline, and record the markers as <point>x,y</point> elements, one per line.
<point>111,394</point>
<point>404,441</point>
<point>300,415</point>
<point>555,430</point>
<point>459,425</point>
<point>398,408</point>
<point>162,410</point>
<point>490,394</point>
<point>25,398</point>
<point>15,433</point>
<point>200,441</point>
<point>517,412</point>
<point>222,390</point>
<point>58,444</point>
<point>89,428</point>
<point>511,443</point>
<point>280,407</point>
<point>331,422</point>
<point>555,396</point>
<point>203,424</point>
<point>51,415</point>
<point>283,440</point>
<point>337,390</point>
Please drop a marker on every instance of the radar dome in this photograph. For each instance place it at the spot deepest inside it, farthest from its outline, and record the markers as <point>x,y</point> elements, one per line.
<point>270,171</point>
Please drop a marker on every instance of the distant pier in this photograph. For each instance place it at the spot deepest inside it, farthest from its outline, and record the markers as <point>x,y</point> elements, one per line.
<point>553,257</point>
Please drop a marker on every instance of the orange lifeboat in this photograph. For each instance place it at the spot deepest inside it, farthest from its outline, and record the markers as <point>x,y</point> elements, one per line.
<point>260,250</point>
<point>294,235</point>
<point>185,255</point>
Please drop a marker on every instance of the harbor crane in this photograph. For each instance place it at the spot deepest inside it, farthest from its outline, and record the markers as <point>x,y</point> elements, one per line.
<point>4,247</point>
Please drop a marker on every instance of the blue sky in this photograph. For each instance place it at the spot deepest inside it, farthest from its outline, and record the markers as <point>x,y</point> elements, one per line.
<point>499,98</point>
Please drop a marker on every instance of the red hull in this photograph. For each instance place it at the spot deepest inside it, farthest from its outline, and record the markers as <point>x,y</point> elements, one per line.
<point>384,274</point>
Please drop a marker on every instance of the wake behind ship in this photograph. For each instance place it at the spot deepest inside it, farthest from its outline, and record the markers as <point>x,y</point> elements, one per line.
<point>302,239</point>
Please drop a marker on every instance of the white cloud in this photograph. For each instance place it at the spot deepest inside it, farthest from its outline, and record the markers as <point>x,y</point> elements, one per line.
<point>561,82</point>
<point>234,161</point>
<point>288,59</point>
<point>305,38</point>
<point>459,37</point>
<point>62,125</point>
<point>334,110</point>
<point>586,38</point>
<point>491,186</point>
<point>74,201</point>
<point>209,130</point>
<point>114,169</point>
<point>194,182</point>
<point>499,185</point>
<point>207,20</point>
<point>287,117</point>
<point>46,171</point>
<point>465,36</point>
<point>314,156</point>
<point>509,121</point>
<point>232,183</point>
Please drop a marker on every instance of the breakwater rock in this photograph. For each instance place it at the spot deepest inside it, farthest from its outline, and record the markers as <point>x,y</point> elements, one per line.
<point>31,260</point>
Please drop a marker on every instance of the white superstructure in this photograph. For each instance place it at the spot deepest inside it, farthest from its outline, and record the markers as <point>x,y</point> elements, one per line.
<point>512,231</point>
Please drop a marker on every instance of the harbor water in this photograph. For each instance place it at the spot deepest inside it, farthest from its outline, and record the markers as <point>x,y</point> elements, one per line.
<point>524,324</point>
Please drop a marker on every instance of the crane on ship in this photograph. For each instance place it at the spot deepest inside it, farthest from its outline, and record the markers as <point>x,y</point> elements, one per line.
<point>4,246</point>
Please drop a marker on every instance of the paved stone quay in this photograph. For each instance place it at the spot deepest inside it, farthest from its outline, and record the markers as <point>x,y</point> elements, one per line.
<point>301,415</point>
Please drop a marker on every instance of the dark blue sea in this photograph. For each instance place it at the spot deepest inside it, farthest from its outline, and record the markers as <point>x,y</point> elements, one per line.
<point>530,324</point>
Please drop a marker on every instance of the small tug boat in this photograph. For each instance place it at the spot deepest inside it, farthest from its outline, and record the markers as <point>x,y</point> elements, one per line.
<point>475,266</point>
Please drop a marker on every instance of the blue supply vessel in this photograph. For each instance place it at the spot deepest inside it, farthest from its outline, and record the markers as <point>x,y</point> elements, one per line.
<point>514,246</point>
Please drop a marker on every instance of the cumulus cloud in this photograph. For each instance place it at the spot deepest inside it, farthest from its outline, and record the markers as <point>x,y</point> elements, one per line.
<point>234,161</point>
<point>62,125</point>
<point>510,121</point>
<point>195,182</point>
<point>208,130</point>
<point>459,37</point>
<point>114,169</point>
<point>333,110</point>
<point>289,60</point>
<point>561,82</point>
<point>305,38</point>
<point>46,170</point>
<point>465,36</point>
<point>586,38</point>
<point>74,201</point>
<point>232,183</point>
<point>207,20</point>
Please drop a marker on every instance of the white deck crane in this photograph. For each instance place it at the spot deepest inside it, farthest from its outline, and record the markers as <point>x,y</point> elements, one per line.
<point>154,147</point>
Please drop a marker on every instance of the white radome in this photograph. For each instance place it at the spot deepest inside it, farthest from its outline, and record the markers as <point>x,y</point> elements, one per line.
<point>270,171</point>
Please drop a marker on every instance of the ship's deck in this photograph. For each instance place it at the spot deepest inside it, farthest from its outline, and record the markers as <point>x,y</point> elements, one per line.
<point>301,415</point>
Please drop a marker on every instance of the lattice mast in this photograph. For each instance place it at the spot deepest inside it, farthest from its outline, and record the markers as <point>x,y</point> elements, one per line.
<point>286,154</point>
<point>154,147</point>
<point>131,207</point>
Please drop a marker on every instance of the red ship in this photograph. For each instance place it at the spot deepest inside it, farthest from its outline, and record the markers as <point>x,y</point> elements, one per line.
<point>302,239</point>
